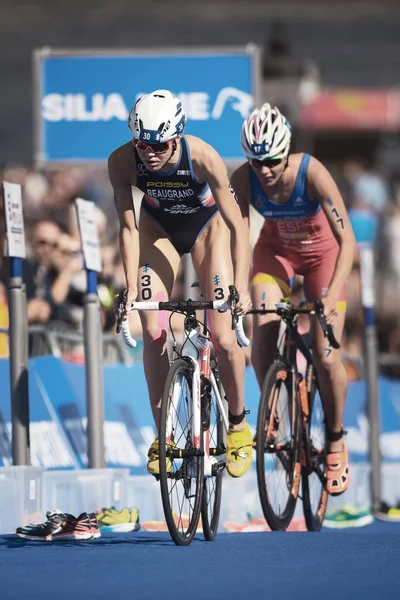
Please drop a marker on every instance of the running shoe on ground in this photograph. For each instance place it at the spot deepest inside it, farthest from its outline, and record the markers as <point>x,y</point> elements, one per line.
<point>61,526</point>
<point>388,513</point>
<point>348,517</point>
<point>239,451</point>
<point>153,464</point>
<point>110,519</point>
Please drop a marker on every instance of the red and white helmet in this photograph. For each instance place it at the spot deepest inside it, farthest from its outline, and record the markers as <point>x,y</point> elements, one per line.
<point>265,134</point>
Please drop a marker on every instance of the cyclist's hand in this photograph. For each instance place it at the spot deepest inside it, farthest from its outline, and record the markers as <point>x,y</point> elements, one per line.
<point>131,297</point>
<point>244,302</point>
<point>330,309</point>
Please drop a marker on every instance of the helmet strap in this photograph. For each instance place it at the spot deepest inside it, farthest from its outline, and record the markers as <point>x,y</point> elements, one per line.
<point>174,147</point>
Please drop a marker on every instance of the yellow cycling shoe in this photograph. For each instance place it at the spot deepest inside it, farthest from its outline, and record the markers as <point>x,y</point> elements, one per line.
<point>239,451</point>
<point>153,464</point>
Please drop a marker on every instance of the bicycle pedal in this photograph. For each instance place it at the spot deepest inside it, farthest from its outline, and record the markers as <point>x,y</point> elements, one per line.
<point>217,468</point>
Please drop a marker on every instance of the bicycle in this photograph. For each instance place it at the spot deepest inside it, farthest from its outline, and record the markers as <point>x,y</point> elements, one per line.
<point>193,421</point>
<point>290,435</point>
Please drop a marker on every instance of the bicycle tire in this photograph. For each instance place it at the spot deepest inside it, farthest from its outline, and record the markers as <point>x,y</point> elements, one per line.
<point>212,489</point>
<point>179,481</point>
<point>315,500</point>
<point>279,373</point>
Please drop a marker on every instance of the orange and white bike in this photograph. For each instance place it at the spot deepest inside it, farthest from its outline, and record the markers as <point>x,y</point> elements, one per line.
<point>193,421</point>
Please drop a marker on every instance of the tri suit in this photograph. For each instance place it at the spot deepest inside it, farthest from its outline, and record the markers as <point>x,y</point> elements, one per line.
<point>176,200</point>
<point>296,238</point>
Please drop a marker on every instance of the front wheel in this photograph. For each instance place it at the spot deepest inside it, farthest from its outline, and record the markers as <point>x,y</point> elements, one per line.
<point>315,495</point>
<point>278,447</point>
<point>181,465</point>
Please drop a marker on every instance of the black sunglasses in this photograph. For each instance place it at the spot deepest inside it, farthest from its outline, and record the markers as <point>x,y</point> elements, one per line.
<point>268,162</point>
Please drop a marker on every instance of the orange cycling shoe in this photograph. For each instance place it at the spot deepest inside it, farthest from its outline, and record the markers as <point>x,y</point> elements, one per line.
<point>337,466</point>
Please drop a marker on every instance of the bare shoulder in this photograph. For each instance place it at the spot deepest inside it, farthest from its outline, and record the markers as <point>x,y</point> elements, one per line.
<point>320,183</point>
<point>317,171</point>
<point>122,162</point>
<point>201,152</point>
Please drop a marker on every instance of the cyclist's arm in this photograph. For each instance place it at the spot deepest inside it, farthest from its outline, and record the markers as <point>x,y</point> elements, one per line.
<point>209,167</point>
<point>240,181</point>
<point>128,232</point>
<point>322,188</point>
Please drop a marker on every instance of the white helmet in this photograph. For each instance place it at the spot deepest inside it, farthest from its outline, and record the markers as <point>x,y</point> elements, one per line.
<point>265,134</point>
<point>157,117</point>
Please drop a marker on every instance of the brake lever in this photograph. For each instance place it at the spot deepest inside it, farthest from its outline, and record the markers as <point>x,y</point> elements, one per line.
<point>234,297</point>
<point>122,298</point>
<point>327,329</point>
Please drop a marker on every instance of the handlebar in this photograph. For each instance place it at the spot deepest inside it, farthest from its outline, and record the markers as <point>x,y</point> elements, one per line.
<point>181,305</point>
<point>286,309</point>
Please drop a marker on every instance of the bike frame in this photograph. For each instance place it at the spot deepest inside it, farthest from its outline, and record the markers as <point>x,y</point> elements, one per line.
<point>196,348</point>
<point>289,342</point>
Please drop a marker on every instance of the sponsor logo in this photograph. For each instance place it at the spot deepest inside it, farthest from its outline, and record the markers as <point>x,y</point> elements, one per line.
<point>167,184</point>
<point>236,99</point>
<point>199,106</point>
<point>165,128</point>
<point>182,209</point>
<point>182,172</point>
<point>141,169</point>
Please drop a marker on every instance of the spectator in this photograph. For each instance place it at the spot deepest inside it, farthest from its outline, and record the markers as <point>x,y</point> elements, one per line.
<point>45,237</point>
<point>68,282</point>
<point>63,187</point>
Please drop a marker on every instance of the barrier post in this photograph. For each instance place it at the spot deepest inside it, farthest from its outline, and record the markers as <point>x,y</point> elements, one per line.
<point>367,274</point>
<point>18,324</point>
<point>92,333</point>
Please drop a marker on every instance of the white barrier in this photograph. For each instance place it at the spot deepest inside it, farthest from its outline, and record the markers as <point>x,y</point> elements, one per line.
<point>26,493</point>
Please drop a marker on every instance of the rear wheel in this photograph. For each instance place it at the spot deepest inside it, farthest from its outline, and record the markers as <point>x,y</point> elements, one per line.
<point>213,436</point>
<point>315,495</point>
<point>278,447</point>
<point>181,465</point>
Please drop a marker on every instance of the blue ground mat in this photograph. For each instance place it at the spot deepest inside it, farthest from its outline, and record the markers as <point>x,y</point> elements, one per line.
<point>332,565</point>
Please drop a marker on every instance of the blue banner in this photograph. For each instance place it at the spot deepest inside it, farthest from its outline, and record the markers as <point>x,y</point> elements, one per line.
<point>49,446</point>
<point>85,98</point>
<point>128,424</point>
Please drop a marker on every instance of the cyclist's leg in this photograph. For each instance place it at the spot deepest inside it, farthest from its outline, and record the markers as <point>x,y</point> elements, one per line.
<point>214,269</point>
<point>331,371</point>
<point>158,267</point>
<point>272,280</point>
<point>332,376</point>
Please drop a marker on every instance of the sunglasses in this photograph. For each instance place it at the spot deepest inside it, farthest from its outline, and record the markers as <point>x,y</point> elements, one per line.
<point>159,148</point>
<point>268,162</point>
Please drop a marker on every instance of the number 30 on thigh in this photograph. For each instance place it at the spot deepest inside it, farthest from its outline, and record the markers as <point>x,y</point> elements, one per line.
<point>145,283</point>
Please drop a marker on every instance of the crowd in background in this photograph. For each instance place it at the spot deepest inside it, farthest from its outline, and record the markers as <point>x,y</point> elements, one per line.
<point>56,281</point>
